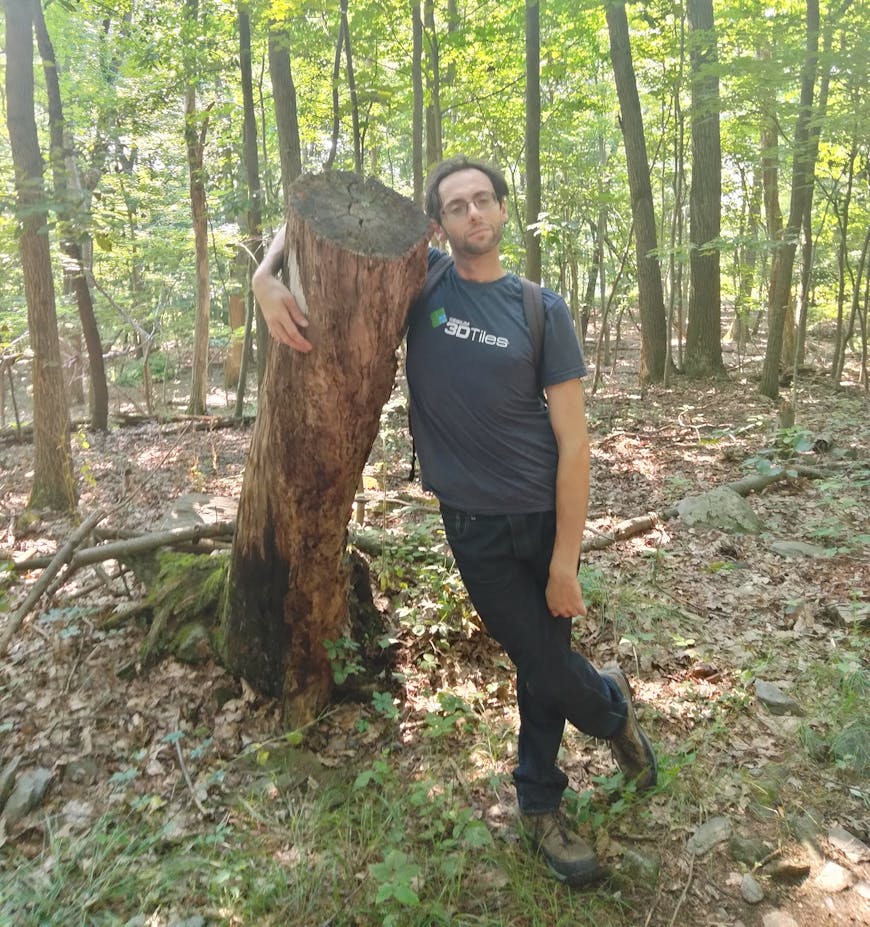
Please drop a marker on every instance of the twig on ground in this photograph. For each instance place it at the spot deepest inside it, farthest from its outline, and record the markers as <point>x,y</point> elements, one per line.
<point>199,806</point>
<point>63,556</point>
<point>686,887</point>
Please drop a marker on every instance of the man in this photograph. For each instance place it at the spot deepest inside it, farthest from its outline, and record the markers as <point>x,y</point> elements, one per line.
<point>511,473</point>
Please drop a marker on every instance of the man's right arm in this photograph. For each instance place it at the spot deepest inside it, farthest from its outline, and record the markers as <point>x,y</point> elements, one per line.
<point>283,316</point>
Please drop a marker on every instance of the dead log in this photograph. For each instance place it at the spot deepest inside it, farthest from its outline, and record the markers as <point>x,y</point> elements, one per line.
<point>355,258</point>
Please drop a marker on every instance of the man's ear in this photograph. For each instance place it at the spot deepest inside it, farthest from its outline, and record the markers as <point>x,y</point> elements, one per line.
<point>438,232</point>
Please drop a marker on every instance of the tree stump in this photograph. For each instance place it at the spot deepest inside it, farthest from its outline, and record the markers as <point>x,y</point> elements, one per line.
<point>355,258</point>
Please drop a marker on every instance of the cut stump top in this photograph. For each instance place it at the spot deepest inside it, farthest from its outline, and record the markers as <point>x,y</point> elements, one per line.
<point>358,215</point>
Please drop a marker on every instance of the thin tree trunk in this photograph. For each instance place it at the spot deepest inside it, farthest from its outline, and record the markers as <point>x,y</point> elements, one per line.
<point>71,247</point>
<point>53,481</point>
<point>704,335</point>
<point>533,140</point>
<point>286,114</point>
<point>417,114</point>
<point>254,217</point>
<point>803,171</point>
<point>195,130</point>
<point>649,275</point>
<point>336,112</point>
<point>351,86</point>
<point>434,145</point>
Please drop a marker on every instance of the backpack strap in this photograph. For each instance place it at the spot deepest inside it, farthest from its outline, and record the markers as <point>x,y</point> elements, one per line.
<point>442,264</point>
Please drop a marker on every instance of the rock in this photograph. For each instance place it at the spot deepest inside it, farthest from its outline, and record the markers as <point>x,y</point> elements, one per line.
<point>641,867</point>
<point>720,508</point>
<point>778,919</point>
<point>798,549</point>
<point>833,878</point>
<point>714,831</point>
<point>7,780</point>
<point>196,921</point>
<point>83,771</point>
<point>29,791</point>
<point>849,845</point>
<point>851,747</point>
<point>747,850</point>
<point>77,814</point>
<point>775,700</point>
<point>750,890</point>
<point>863,889</point>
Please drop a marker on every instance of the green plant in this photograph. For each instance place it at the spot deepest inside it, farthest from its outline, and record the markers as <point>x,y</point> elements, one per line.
<point>343,656</point>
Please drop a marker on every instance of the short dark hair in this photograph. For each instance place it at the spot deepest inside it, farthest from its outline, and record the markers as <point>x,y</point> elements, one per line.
<point>451,166</point>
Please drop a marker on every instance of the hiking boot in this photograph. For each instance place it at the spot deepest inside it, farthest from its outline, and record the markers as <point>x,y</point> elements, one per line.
<point>569,857</point>
<point>631,747</point>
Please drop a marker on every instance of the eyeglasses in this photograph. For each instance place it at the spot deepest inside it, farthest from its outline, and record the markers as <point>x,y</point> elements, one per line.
<point>458,209</point>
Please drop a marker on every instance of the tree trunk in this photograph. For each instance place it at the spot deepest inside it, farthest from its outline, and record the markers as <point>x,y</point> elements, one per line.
<point>533,140</point>
<point>71,247</point>
<point>356,256</point>
<point>704,335</point>
<point>803,172</point>
<point>351,88</point>
<point>434,146</point>
<point>649,274</point>
<point>286,115</point>
<point>254,217</point>
<point>53,482</point>
<point>417,113</point>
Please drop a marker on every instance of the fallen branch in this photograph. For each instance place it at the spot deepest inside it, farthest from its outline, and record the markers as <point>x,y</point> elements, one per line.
<point>63,556</point>
<point>133,547</point>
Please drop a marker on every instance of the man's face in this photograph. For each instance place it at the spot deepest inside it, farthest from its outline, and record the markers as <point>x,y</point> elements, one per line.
<point>472,218</point>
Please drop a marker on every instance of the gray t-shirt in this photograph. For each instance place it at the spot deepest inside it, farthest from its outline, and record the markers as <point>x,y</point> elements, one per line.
<point>481,428</point>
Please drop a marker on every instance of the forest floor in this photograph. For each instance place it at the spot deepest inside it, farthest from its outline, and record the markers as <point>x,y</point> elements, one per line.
<point>175,798</point>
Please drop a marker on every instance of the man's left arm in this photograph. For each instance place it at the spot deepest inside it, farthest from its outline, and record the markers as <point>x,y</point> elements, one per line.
<point>568,420</point>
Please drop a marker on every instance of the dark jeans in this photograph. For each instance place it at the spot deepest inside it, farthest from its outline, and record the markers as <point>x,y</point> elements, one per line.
<point>504,561</point>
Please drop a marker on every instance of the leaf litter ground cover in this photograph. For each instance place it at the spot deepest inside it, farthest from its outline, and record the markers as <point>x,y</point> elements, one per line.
<point>175,797</point>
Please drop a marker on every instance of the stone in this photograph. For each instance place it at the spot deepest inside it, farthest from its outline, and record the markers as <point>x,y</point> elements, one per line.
<point>848,844</point>
<point>641,867</point>
<point>833,878</point>
<point>778,919</point>
<point>720,508</point>
<point>83,771</point>
<point>29,791</point>
<point>77,814</point>
<point>775,700</point>
<point>708,835</point>
<point>747,850</point>
<point>863,889</point>
<point>790,549</point>
<point>750,890</point>
<point>7,780</point>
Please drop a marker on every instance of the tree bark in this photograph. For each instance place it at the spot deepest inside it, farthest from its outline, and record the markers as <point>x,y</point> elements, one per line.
<point>70,245</point>
<point>704,334</point>
<point>53,481</point>
<point>649,274</point>
<point>356,255</point>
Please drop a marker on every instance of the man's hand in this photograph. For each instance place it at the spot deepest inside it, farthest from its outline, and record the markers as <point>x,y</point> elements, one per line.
<point>283,316</point>
<point>564,595</point>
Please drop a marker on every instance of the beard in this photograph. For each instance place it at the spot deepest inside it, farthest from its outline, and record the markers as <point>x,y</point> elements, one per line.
<point>475,242</point>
